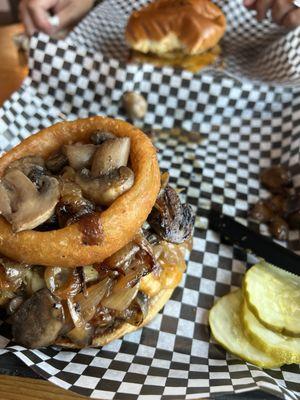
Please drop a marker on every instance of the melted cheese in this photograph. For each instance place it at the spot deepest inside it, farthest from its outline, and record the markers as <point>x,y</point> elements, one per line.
<point>172,263</point>
<point>192,63</point>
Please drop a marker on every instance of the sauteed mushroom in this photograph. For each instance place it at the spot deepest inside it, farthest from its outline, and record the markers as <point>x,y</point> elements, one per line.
<point>171,219</point>
<point>279,228</point>
<point>134,104</point>
<point>276,178</point>
<point>38,320</point>
<point>79,155</point>
<point>281,210</point>
<point>56,162</point>
<point>27,164</point>
<point>14,304</point>
<point>36,175</point>
<point>28,206</point>
<point>261,212</point>
<point>100,137</point>
<point>111,154</point>
<point>104,189</point>
<point>278,204</point>
<point>32,166</point>
<point>5,207</point>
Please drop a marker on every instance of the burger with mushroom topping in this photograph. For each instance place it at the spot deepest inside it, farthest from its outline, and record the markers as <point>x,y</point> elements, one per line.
<point>92,236</point>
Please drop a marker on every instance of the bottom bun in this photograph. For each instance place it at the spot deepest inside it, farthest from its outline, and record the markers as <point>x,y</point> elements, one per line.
<point>156,304</point>
<point>193,63</point>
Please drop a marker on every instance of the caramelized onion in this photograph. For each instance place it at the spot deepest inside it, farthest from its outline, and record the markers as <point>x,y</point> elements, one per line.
<point>104,317</point>
<point>139,309</point>
<point>90,274</point>
<point>131,263</point>
<point>68,322</point>
<point>120,299</point>
<point>4,283</point>
<point>135,272</point>
<point>62,282</point>
<point>82,308</point>
<point>72,205</point>
<point>11,274</point>
<point>146,254</point>
<point>112,273</point>
<point>173,255</point>
<point>122,257</point>
<point>34,280</point>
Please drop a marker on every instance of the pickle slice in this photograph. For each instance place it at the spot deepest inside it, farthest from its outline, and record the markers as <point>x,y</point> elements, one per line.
<point>227,329</point>
<point>273,295</point>
<point>285,348</point>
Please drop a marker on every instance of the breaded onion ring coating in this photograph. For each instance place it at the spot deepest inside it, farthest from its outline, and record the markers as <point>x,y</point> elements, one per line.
<point>120,222</point>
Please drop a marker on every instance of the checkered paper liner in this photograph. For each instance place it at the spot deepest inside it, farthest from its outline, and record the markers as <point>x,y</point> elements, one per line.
<point>244,128</point>
<point>251,50</point>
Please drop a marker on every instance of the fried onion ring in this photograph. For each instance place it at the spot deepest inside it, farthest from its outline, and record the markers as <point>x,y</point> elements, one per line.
<point>120,222</point>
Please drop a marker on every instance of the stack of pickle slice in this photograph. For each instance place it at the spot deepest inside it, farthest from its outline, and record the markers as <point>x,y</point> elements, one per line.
<point>260,323</point>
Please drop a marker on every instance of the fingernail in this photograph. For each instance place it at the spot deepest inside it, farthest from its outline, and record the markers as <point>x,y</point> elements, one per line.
<point>54,21</point>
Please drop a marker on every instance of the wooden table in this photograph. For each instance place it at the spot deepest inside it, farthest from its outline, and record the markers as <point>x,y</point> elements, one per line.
<point>12,72</point>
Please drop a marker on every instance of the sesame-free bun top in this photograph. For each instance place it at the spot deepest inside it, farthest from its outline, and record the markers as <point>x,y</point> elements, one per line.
<point>167,26</point>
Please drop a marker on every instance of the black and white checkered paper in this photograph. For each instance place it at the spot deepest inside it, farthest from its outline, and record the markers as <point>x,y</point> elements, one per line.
<point>243,127</point>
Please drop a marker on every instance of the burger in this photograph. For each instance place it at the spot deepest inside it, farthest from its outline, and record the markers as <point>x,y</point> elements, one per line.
<point>92,236</point>
<point>182,33</point>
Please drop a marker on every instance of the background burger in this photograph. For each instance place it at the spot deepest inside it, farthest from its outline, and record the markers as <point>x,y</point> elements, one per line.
<point>182,33</point>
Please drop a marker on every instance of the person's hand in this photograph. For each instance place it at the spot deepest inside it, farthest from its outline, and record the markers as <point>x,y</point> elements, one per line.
<point>35,14</point>
<point>284,12</point>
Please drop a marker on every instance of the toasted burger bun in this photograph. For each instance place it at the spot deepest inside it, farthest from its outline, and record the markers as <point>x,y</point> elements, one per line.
<point>167,26</point>
<point>120,222</point>
<point>156,304</point>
